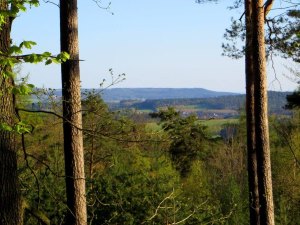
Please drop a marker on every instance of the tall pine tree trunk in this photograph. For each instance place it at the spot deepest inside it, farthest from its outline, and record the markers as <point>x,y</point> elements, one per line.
<point>10,201</point>
<point>250,102</point>
<point>73,140</point>
<point>261,116</point>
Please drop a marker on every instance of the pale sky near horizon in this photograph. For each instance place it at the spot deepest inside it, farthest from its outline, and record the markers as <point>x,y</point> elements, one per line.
<point>158,43</point>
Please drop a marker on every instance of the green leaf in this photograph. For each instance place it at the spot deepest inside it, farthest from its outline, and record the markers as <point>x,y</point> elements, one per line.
<point>46,54</point>
<point>27,44</point>
<point>2,19</point>
<point>63,56</point>
<point>5,127</point>
<point>15,90</point>
<point>32,58</point>
<point>8,61</point>
<point>15,50</point>
<point>31,86</point>
<point>21,7</point>
<point>22,127</point>
<point>49,61</point>
<point>24,89</point>
<point>55,60</point>
<point>7,74</point>
<point>35,3</point>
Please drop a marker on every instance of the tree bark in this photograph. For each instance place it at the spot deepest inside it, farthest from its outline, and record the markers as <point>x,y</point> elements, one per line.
<point>10,200</point>
<point>261,116</point>
<point>73,140</point>
<point>250,103</point>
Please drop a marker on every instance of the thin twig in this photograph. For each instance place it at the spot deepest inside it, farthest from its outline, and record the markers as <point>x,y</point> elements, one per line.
<point>53,3</point>
<point>159,206</point>
<point>186,218</point>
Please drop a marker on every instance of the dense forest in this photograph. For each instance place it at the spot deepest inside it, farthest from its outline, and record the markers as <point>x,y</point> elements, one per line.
<point>76,160</point>
<point>170,170</point>
<point>156,172</point>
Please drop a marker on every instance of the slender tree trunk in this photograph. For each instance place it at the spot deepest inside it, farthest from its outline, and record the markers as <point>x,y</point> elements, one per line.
<point>10,201</point>
<point>73,140</point>
<point>261,116</point>
<point>250,103</point>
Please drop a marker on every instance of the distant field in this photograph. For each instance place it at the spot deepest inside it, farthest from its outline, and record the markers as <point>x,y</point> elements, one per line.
<point>187,107</point>
<point>197,108</point>
<point>144,110</point>
<point>222,106</point>
<point>218,122</point>
<point>213,126</point>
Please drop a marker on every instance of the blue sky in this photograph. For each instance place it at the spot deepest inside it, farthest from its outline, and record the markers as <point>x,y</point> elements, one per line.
<point>169,43</point>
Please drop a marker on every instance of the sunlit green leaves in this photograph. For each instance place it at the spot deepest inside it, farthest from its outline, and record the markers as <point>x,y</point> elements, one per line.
<point>15,56</point>
<point>47,54</point>
<point>2,19</point>
<point>8,73</point>
<point>35,58</point>
<point>5,127</point>
<point>27,44</point>
<point>20,6</point>
<point>20,127</point>
<point>63,56</point>
<point>8,61</point>
<point>23,89</point>
<point>48,61</point>
<point>31,58</point>
<point>16,6</point>
<point>14,49</point>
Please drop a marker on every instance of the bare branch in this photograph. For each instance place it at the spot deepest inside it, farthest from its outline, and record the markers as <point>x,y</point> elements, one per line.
<point>99,4</point>
<point>53,3</point>
<point>159,206</point>
<point>186,218</point>
<point>219,219</point>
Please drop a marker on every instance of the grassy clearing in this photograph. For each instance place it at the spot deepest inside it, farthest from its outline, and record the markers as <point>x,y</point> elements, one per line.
<point>144,110</point>
<point>218,122</point>
<point>215,125</point>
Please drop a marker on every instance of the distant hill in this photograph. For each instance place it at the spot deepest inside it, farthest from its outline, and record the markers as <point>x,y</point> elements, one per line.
<point>234,103</point>
<point>153,98</point>
<point>204,102</point>
<point>276,100</point>
<point>118,94</point>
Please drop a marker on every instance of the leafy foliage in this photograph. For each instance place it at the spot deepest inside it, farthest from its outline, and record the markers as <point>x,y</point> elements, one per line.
<point>286,154</point>
<point>134,181</point>
<point>293,100</point>
<point>282,34</point>
<point>16,6</point>
<point>13,57</point>
<point>188,139</point>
